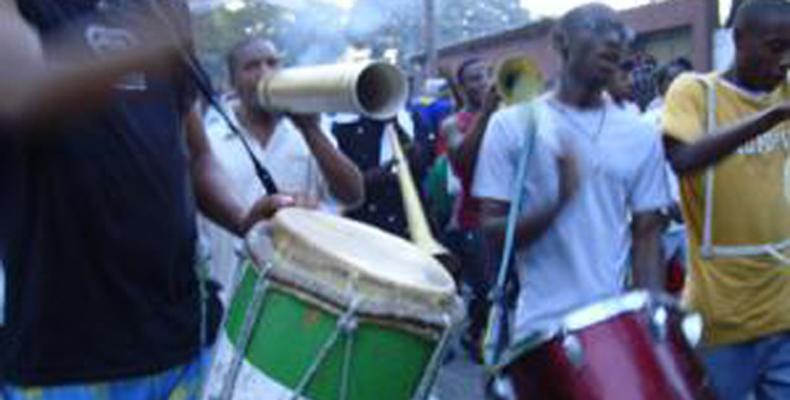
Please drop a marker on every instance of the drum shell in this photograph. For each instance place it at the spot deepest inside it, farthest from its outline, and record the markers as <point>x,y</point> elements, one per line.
<point>618,359</point>
<point>292,327</point>
<point>310,285</point>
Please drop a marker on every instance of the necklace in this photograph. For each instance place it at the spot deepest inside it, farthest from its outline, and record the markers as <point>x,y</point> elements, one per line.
<point>593,135</point>
<point>595,156</point>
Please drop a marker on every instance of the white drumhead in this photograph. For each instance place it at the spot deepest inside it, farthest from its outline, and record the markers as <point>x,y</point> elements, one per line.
<point>360,249</point>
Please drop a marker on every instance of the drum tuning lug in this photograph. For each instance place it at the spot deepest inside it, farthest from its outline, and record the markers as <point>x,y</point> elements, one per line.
<point>692,327</point>
<point>659,322</point>
<point>573,350</point>
<point>349,325</point>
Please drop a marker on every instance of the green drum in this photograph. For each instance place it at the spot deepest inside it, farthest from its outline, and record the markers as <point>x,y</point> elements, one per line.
<point>328,308</point>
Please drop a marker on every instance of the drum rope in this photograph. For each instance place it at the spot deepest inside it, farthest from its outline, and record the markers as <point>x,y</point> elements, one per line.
<point>346,366</point>
<point>429,375</point>
<point>251,315</point>
<point>347,325</point>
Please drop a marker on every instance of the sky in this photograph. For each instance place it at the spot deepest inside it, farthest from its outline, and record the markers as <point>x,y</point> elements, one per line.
<point>557,7</point>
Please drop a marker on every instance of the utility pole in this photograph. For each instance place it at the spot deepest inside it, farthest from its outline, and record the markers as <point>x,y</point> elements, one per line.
<point>733,9</point>
<point>429,39</point>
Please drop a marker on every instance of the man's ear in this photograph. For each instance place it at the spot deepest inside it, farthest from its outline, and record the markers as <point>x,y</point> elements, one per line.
<point>560,42</point>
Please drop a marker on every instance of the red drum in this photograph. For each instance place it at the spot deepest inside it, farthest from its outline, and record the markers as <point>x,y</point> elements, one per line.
<point>676,276</point>
<point>632,347</point>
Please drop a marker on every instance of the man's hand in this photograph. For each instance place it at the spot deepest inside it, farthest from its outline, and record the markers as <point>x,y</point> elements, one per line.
<point>265,208</point>
<point>690,158</point>
<point>306,123</point>
<point>569,177</point>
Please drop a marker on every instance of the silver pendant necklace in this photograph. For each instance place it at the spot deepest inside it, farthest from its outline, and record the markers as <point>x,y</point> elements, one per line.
<point>593,136</point>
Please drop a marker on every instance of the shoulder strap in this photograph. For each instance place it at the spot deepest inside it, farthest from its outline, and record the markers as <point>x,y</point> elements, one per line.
<point>708,249</point>
<point>709,86</point>
<point>494,341</point>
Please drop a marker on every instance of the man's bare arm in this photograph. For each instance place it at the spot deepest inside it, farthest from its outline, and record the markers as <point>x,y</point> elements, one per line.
<point>689,158</point>
<point>213,188</point>
<point>532,226</point>
<point>36,91</point>
<point>646,251</point>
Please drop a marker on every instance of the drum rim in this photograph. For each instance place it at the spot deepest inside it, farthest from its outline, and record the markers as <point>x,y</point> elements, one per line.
<point>586,316</point>
<point>425,323</point>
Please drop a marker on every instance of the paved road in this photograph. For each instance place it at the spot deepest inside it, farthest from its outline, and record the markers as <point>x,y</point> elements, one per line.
<point>461,379</point>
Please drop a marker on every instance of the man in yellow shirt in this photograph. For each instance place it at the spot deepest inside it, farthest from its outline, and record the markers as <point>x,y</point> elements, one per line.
<point>728,135</point>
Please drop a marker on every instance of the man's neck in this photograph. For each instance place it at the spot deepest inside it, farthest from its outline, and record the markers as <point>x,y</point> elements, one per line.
<point>259,123</point>
<point>576,93</point>
<point>472,108</point>
<point>740,80</point>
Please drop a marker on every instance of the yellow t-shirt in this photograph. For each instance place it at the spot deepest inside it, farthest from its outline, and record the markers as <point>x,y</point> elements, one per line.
<point>746,297</point>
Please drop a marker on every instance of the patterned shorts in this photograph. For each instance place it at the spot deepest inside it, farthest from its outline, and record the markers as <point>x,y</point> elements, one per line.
<point>180,383</point>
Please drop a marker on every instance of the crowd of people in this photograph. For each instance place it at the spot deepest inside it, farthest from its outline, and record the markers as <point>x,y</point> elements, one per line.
<point>625,174</point>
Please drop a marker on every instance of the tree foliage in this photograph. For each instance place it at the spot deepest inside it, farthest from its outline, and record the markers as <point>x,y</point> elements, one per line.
<point>314,31</point>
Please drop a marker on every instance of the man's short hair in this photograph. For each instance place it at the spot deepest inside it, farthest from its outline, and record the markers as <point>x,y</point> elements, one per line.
<point>752,11</point>
<point>459,73</point>
<point>232,58</point>
<point>570,20</point>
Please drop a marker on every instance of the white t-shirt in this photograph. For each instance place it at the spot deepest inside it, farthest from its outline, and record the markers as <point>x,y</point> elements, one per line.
<point>583,256</point>
<point>288,159</point>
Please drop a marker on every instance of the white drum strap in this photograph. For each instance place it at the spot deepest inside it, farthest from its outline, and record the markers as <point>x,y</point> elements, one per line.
<point>347,326</point>
<point>708,249</point>
<point>710,126</point>
<point>494,341</point>
<point>251,315</point>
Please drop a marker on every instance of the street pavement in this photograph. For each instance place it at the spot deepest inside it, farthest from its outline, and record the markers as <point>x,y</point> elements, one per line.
<point>461,379</point>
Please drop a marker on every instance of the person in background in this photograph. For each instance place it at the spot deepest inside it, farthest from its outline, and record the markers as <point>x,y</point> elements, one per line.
<point>428,111</point>
<point>735,180</point>
<point>621,88</point>
<point>664,76</point>
<point>674,237</point>
<point>367,143</point>
<point>299,153</point>
<point>642,77</point>
<point>463,132</point>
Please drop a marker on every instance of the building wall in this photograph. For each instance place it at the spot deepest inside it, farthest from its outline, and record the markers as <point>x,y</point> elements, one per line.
<point>668,29</point>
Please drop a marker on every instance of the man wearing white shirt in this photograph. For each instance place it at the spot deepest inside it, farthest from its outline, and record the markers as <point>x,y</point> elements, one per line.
<point>593,164</point>
<point>297,151</point>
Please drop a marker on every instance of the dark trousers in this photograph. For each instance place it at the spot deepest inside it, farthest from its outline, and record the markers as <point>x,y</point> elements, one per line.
<point>476,272</point>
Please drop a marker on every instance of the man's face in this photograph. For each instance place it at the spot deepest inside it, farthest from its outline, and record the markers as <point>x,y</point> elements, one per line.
<point>764,52</point>
<point>258,60</point>
<point>595,46</point>
<point>475,83</point>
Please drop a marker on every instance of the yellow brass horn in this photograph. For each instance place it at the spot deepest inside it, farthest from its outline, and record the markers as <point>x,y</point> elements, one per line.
<point>516,78</point>
<point>419,230</point>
